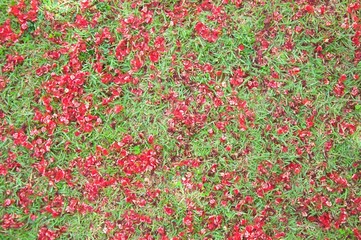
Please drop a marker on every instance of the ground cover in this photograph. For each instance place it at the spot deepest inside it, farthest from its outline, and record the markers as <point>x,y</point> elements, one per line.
<point>180,119</point>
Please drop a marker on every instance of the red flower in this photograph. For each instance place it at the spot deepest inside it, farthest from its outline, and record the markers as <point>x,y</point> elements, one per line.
<point>122,50</point>
<point>328,146</point>
<point>282,130</point>
<point>81,22</point>
<point>214,222</point>
<point>47,234</point>
<point>242,122</point>
<point>117,109</point>
<point>210,35</point>
<point>188,219</point>
<point>241,47</point>
<point>11,62</point>
<point>10,221</point>
<point>107,78</point>
<point>339,89</point>
<point>7,34</point>
<point>3,169</point>
<point>357,233</point>
<point>325,220</point>
<point>294,71</point>
<point>309,9</point>
<point>169,211</point>
<point>136,63</point>
<point>150,139</point>
<point>154,56</point>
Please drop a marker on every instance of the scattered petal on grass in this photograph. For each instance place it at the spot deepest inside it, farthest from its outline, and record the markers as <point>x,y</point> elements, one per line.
<point>180,119</point>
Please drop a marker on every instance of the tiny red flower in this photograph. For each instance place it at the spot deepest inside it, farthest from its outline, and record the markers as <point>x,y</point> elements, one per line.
<point>309,9</point>
<point>154,56</point>
<point>169,211</point>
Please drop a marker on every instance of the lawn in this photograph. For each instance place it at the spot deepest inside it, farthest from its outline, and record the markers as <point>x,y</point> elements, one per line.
<point>187,119</point>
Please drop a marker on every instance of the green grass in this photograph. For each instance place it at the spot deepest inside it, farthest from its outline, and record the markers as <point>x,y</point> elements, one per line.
<point>168,102</point>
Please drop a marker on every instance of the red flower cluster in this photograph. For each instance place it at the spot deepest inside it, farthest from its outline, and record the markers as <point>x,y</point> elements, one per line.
<point>47,234</point>
<point>210,35</point>
<point>7,34</point>
<point>11,62</point>
<point>10,221</point>
<point>145,161</point>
